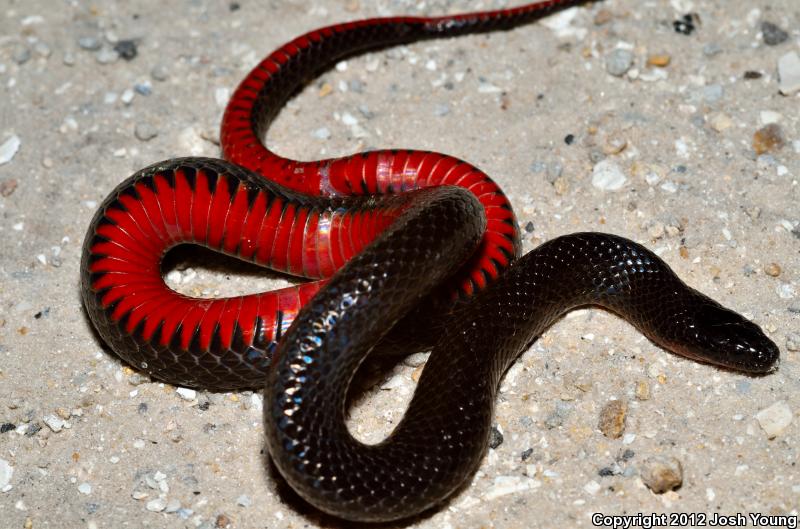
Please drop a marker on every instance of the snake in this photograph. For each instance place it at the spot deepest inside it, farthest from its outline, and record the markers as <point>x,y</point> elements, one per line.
<point>403,250</point>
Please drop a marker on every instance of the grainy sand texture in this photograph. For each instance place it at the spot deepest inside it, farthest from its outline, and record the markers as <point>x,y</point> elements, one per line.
<point>661,120</point>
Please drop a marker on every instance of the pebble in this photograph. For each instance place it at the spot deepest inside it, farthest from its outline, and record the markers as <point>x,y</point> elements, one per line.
<point>21,54</point>
<point>786,291</point>
<point>126,49</point>
<point>659,60</point>
<point>322,133</point>
<point>173,505</point>
<point>54,423</point>
<point>789,73</point>
<point>608,176</point>
<point>42,49</point>
<point>159,72</point>
<point>686,24</point>
<point>592,487</point>
<point>612,418</point>
<point>720,121</point>
<point>68,59</point>
<point>89,43</point>
<point>558,416</point>
<point>711,49</point>
<point>127,96</point>
<point>186,393</point>
<point>505,485</point>
<point>773,34</point>
<point>9,148</point>
<point>768,139</point>
<point>144,88</point>
<point>244,501</point>
<point>793,341</point>
<point>713,93</point>
<point>774,419</point>
<point>85,488</point>
<point>642,391</point>
<point>6,472</point>
<point>106,56</point>
<point>662,474</point>
<point>145,131</point>
<point>618,62</point>
<point>772,269</point>
<point>495,437</point>
<point>156,505</point>
<point>441,109</point>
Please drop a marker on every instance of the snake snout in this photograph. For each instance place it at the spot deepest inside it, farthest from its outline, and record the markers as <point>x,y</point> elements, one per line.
<point>728,339</point>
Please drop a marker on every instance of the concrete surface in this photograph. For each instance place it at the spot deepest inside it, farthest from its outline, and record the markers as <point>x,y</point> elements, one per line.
<point>662,153</point>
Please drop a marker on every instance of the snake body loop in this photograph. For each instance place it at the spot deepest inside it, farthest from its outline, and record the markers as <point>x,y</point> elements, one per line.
<point>408,247</point>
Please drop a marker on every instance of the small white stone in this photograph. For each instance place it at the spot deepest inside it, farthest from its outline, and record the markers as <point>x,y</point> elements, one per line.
<point>257,401</point>
<point>244,501</point>
<point>774,419</point>
<point>669,187</point>
<point>789,73</point>
<point>159,476</point>
<point>592,487</point>
<point>786,291</point>
<point>221,96</point>
<point>127,96</point>
<point>173,505</point>
<point>138,444</point>
<point>768,117</point>
<point>186,393</point>
<point>504,485</point>
<point>628,438</point>
<point>156,505</point>
<point>54,423</point>
<point>348,119</point>
<point>9,148</point>
<point>710,494</point>
<point>608,176</point>
<point>6,472</point>
<point>322,133</point>
<point>85,488</point>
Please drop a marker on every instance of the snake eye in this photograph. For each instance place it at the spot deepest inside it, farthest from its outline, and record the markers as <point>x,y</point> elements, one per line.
<point>728,339</point>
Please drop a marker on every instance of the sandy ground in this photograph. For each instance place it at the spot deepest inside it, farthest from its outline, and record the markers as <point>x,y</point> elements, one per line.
<point>88,442</point>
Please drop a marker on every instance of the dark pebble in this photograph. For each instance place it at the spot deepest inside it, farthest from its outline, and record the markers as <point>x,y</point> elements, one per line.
<point>686,24</point>
<point>234,6</point>
<point>204,405</point>
<point>142,409</point>
<point>526,454</point>
<point>627,455</point>
<point>752,74</point>
<point>773,35</point>
<point>495,438</point>
<point>92,508</point>
<point>42,313</point>
<point>529,227</point>
<point>126,49</point>
<point>605,472</point>
<point>7,427</point>
<point>33,429</point>
<point>569,139</point>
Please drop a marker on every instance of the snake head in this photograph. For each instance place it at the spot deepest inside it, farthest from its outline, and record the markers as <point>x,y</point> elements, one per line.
<point>720,336</point>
